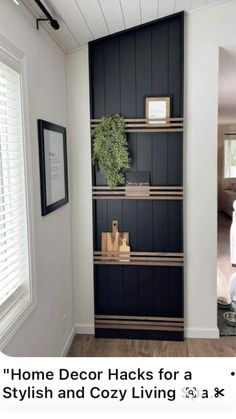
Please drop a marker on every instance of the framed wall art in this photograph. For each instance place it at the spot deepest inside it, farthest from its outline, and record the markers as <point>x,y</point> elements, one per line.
<point>53,166</point>
<point>157,109</point>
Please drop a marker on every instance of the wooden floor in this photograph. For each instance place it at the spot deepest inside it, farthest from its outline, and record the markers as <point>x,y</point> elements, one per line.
<point>224,268</point>
<point>88,346</point>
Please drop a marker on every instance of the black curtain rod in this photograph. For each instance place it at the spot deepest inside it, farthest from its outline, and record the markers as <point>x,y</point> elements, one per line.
<point>53,22</point>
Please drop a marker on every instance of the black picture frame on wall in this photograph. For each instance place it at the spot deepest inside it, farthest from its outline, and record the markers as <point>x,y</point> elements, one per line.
<point>53,166</point>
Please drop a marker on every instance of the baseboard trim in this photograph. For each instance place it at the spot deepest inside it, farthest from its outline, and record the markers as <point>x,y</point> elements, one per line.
<point>84,329</point>
<point>189,332</point>
<point>196,333</point>
<point>68,343</point>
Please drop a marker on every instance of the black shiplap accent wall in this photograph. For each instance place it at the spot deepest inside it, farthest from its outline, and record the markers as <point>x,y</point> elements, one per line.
<point>144,61</point>
<point>124,69</point>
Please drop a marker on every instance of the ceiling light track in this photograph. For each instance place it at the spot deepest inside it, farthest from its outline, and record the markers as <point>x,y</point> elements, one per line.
<point>53,22</point>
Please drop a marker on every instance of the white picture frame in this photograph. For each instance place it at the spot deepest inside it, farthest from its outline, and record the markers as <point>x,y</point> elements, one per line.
<point>157,110</point>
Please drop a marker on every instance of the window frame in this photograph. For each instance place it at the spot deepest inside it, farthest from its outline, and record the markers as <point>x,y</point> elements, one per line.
<point>25,304</point>
<point>227,137</point>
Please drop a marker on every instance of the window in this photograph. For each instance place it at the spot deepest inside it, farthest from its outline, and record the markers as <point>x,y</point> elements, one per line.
<point>15,266</point>
<point>230,155</point>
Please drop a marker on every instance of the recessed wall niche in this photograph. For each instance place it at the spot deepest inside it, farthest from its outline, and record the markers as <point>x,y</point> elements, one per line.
<point>141,297</point>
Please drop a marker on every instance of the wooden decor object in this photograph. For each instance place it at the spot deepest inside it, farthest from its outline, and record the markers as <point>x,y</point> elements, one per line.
<point>143,125</point>
<point>110,241</point>
<point>124,251</point>
<point>139,192</point>
<point>138,258</point>
<point>139,322</point>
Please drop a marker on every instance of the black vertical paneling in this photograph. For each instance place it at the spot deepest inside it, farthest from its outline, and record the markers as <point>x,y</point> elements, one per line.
<point>98,90</point>
<point>102,304</point>
<point>115,288</point>
<point>159,174</point>
<point>97,79</point>
<point>144,152</point>
<point>144,141</point>
<point>175,232</point>
<point>127,75</point>
<point>124,69</point>
<point>128,88</point>
<point>143,68</point>
<point>145,226</point>
<point>175,158</point>
<point>160,226</point>
<point>160,60</point>
<point>112,76</point>
<point>175,293</point>
<point>130,279</point>
<point>101,217</point>
<point>175,67</point>
<point>131,290</point>
<point>161,291</point>
<point>145,289</point>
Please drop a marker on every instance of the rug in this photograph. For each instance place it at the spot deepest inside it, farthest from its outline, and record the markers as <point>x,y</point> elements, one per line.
<point>224,328</point>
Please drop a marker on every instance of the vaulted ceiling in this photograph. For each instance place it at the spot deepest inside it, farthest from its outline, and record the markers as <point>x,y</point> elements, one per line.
<point>84,20</point>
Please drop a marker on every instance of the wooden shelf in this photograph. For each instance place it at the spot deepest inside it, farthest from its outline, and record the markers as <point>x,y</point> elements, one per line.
<point>139,322</point>
<point>138,192</point>
<point>138,258</point>
<point>143,125</point>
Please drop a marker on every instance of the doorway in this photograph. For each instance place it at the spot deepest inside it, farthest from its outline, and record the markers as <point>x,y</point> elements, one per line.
<point>226,182</point>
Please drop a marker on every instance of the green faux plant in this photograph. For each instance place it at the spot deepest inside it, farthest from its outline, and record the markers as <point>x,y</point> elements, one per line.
<point>110,149</point>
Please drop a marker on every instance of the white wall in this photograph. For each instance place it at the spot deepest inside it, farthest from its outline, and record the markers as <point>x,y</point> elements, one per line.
<point>206,30</point>
<point>43,333</point>
<point>81,187</point>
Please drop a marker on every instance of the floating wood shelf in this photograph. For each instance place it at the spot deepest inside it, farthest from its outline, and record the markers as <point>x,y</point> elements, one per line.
<point>145,125</point>
<point>138,322</point>
<point>138,258</point>
<point>139,192</point>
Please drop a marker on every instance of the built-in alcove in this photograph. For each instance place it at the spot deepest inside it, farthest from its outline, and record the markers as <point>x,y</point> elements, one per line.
<point>141,296</point>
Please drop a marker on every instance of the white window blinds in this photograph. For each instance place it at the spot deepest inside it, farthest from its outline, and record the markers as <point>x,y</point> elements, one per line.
<point>14,264</point>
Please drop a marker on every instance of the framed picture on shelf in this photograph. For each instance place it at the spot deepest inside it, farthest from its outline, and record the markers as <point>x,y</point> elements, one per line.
<point>53,166</point>
<point>157,110</point>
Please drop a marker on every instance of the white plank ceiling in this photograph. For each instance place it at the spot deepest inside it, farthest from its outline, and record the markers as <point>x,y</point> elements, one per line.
<point>84,20</point>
